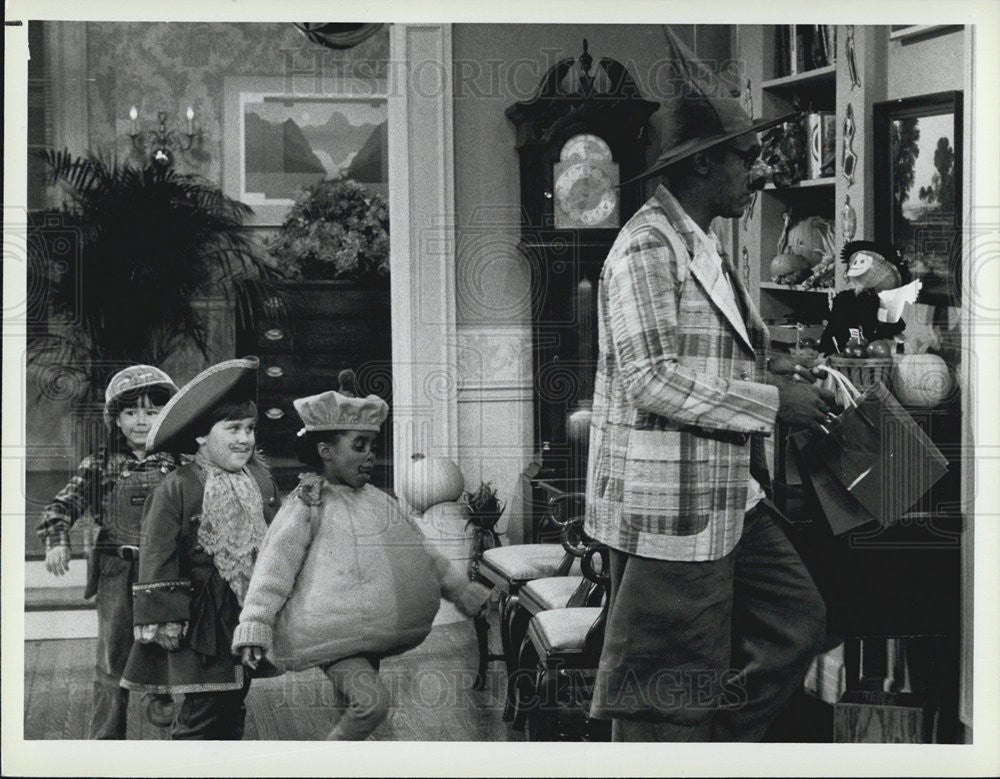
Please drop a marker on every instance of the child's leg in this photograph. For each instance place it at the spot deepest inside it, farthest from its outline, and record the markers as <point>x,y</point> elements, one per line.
<point>367,699</point>
<point>212,716</point>
<point>114,640</point>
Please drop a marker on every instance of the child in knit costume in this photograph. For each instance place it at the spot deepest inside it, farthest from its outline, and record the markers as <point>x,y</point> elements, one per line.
<point>344,577</point>
<point>113,484</point>
<point>201,528</point>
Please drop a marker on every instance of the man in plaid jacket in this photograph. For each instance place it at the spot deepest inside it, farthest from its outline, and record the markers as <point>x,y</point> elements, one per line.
<point>713,618</point>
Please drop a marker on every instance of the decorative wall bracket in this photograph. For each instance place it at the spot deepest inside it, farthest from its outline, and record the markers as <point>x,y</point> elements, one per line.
<point>850,159</point>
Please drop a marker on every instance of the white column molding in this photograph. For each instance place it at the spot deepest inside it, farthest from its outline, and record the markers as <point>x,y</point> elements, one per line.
<point>66,55</point>
<point>968,380</point>
<point>422,243</point>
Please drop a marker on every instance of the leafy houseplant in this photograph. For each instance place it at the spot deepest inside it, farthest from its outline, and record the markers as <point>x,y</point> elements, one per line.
<point>149,241</point>
<point>485,509</point>
<point>337,229</point>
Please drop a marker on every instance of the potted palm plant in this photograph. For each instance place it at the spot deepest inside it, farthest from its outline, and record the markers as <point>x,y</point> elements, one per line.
<point>147,243</point>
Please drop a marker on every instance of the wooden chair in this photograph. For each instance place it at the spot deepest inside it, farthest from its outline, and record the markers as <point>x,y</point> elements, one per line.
<point>558,663</point>
<point>509,568</point>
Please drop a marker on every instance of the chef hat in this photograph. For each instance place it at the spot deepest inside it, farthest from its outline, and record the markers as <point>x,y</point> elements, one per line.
<point>332,410</point>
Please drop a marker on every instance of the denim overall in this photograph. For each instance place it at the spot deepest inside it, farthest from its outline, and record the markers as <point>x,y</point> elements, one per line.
<point>117,570</point>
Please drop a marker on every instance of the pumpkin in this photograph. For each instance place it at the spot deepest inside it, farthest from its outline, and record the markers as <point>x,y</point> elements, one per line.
<point>444,525</point>
<point>578,426</point>
<point>788,263</point>
<point>431,480</point>
<point>921,380</point>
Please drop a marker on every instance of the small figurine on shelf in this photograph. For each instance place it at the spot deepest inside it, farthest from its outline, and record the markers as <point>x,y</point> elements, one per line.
<point>784,148</point>
<point>879,285</point>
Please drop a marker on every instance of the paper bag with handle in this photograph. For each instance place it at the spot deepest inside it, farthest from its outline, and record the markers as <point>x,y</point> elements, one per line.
<point>872,463</point>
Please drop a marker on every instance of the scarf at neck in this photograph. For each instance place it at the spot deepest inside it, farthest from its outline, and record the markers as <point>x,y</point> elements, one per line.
<point>232,523</point>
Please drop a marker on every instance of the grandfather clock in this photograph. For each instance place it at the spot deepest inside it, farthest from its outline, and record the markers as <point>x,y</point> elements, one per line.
<point>578,137</point>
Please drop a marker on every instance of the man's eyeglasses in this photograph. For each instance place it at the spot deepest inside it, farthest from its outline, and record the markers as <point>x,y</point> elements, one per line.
<point>749,156</point>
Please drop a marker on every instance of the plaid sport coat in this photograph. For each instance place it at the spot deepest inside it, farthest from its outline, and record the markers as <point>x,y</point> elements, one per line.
<point>679,392</point>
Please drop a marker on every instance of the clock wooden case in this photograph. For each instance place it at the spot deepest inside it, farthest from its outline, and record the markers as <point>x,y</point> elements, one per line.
<point>578,137</point>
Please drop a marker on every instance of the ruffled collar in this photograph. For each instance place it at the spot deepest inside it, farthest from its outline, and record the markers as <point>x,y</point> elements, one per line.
<point>232,523</point>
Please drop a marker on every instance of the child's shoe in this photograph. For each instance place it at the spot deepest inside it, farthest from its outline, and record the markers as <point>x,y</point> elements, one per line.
<point>160,709</point>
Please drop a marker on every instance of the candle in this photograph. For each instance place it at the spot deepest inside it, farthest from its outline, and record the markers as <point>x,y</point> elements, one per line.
<point>133,114</point>
<point>190,116</point>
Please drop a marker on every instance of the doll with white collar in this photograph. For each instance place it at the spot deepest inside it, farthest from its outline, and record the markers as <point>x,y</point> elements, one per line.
<point>878,285</point>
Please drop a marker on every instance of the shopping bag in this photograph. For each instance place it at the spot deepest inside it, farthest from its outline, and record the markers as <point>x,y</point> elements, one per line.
<point>877,453</point>
<point>842,510</point>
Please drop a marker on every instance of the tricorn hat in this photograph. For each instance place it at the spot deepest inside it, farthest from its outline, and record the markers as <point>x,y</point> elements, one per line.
<point>232,380</point>
<point>701,117</point>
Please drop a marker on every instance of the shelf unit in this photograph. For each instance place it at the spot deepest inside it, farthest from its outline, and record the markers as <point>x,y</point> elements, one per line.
<point>828,88</point>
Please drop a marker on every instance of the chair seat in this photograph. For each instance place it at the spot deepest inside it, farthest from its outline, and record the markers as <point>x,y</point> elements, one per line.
<point>519,563</point>
<point>552,592</point>
<point>562,631</point>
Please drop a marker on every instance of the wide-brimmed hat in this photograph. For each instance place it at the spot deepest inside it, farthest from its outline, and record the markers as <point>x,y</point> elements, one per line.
<point>702,118</point>
<point>232,381</point>
<point>132,378</point>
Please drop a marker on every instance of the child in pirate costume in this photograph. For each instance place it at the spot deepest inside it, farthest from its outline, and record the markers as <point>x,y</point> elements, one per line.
<point>344,577</point>
<point>201,530</point>
<point>113,484</point>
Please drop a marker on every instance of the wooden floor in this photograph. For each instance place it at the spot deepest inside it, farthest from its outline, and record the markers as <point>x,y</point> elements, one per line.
<point>431,690</point>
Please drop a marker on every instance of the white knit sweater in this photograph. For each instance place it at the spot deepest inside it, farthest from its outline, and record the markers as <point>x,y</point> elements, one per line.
<point>343,571</point>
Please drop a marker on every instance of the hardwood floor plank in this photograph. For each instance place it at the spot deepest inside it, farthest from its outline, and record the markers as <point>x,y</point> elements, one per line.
<point>431,686</point>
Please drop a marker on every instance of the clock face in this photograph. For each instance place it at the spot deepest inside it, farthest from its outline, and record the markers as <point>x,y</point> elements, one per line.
<point>585,146</point>
<point>585,194</point>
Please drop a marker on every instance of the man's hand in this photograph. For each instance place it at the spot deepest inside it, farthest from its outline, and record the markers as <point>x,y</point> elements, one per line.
<point>801,405</point>
<point>57,560</point>
<point>251,656</point>
<point>785,366</point>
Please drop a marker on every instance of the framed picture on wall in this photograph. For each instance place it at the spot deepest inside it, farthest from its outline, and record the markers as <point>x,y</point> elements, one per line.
<point>277,143</point>
<point>918,188</point>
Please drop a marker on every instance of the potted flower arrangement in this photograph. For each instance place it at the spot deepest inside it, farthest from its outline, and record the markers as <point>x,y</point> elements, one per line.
<point>331,309</point>
<point>337,230</point>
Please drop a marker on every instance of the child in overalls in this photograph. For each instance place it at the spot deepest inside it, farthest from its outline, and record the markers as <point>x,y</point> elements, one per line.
<point>113,484</point>
<point>344,577</point>
<point>201,530</point>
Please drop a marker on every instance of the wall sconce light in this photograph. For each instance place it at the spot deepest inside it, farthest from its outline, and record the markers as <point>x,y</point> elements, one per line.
<point>162,141</point>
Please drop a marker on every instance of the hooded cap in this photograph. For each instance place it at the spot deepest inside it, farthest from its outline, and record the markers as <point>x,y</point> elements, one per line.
<point>701,118</point>
<point>232,381</point>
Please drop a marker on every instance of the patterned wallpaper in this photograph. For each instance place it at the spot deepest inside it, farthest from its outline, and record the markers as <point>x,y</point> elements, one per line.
<point>170,66</point>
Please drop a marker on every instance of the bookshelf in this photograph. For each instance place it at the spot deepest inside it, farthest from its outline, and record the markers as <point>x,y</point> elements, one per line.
<point>780,78</point>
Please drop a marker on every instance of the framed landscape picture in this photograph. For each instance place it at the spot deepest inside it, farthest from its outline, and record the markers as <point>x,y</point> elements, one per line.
<point>277,143</point>
<point>918,188</point>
